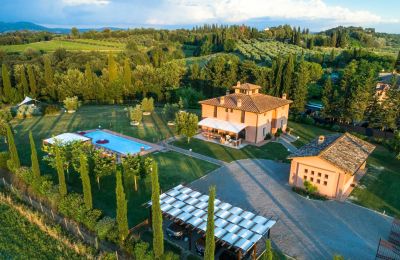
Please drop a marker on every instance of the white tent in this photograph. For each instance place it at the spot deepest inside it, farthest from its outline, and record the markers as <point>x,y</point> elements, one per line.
<point>222,125</point>
<point>66,138</point>
<point>26,101</point>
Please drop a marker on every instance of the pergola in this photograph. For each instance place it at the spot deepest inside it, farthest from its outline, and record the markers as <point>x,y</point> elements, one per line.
<point>66,138</point>
<point>235,229</point>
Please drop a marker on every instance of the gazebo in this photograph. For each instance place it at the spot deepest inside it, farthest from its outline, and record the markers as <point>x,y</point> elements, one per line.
<point>236,229</point>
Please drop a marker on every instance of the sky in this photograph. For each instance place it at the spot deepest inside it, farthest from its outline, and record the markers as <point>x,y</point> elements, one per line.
<point>384,15</point>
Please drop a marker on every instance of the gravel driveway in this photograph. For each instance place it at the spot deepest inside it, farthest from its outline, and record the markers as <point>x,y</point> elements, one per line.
<point>306,229</point>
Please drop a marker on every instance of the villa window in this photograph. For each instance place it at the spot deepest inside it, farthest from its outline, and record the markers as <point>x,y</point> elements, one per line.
<point>325,183</point>
<point>242,117</point>
<point>319,174</point>
<point>226,110</point>
<point>231,110</point>
<point>215,111</point>
<point>311,179</point>
<point>312,172</point>
<point>326,176</point>
<point>305,177</point>
<point>306,170</point>
<point>318,181</point>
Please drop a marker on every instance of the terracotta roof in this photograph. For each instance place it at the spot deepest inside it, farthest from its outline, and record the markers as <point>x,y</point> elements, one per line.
<point>246,86</point>
<point>257,103</point>
<point>345,151</point>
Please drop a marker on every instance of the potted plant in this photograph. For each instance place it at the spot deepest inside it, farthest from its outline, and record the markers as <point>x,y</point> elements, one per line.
<point>169,112</point>
<point>71,104</point>
<point>135,115</point>
<point>147,106</point>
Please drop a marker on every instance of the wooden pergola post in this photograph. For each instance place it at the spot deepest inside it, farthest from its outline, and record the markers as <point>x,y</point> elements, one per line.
<point>239,255</point>
<point>254,254</point>
<point>190,240</point>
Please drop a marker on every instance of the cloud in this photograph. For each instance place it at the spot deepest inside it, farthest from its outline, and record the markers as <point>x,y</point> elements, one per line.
<point>194,11</point>
<point>86,2</point>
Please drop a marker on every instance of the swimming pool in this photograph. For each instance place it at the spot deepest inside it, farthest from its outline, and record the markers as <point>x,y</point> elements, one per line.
<point>116,143</point>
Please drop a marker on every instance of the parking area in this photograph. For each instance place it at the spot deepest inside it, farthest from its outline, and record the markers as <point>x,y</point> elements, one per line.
<point>306,229</point>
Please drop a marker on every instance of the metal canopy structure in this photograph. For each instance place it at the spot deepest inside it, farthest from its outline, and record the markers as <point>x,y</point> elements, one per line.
<point>222,125</point>
<point>234,227</point>
<point>66,138</point>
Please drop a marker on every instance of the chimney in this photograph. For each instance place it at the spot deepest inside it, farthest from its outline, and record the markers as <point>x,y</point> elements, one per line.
<point>284,96</point>
<point>222,100</point>
<point>239,102</point>
<point>321,139</point>
<point>227,92</point>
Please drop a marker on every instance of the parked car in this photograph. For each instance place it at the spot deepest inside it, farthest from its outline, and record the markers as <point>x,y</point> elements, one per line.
<point>227,255</point>
<point>175,231</point>
<point>200,246</point>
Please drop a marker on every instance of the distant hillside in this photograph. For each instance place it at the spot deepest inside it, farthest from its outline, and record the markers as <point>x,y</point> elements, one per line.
<point>20,26</point>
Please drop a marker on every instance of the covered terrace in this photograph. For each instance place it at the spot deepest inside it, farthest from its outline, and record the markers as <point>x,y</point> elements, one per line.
<point>223,132</point>
<point>236,230</point>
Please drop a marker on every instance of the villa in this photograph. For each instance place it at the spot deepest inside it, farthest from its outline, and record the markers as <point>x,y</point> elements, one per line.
<point>331,163</point>
<point>245,115</point>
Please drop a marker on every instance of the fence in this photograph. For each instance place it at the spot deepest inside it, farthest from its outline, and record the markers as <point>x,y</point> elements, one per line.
<point>69,225</point>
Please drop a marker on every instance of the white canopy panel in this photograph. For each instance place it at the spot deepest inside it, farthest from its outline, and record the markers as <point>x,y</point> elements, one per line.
<point>222,125</point>
<point>235,226</point>
<point>26,100</point>
<point>66,138</point>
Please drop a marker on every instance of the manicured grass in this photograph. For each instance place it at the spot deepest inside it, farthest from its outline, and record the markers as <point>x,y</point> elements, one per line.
<point>306,132</point>
<point>174,168</point>
<point>379,189</point>
<point>70,45</point>
<point>21,239</point>
<point>272,151</point>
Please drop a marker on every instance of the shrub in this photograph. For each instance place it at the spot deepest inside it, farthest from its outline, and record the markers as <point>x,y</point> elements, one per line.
<point>189,97</point>
<point>5,115</point>
<point>148,104</point>
<point>169,111</point>
<point>308,120</point>
<point>278,132</point>
<point>52,110</point>
<point>268,136</point>
<point>104,226</point>
<point>27,111</point>
<point>135,113</point>
<point>310,188</point>
<point>71,103</point>
<point>335,128</point>
<point>4,157</point>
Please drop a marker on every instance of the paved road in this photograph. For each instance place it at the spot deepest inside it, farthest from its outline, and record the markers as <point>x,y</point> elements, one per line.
<point>306,229</point>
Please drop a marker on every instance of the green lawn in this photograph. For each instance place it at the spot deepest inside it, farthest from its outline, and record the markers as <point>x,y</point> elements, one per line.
<point>174,168</point>
<point>306,132</point>
<point>272,151</point>
<point>21,239</point>
<point>70,45</point>
<point>379,189</point>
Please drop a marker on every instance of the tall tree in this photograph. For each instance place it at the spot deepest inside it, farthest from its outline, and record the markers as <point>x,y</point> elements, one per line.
<point>209,252</point>
<point>86,187</point>
<point>158,235</point>
<point>186,124</point>
<point>62,186</point>
<point>49,78</point>
<point>34,157</point>
<point>24,82</point>
<point>278,76</point>
<point>112,68</point>
<point>300,93</point>
<point>397,64</point>
<point>334,39</point>
<point>122,217</point>
<point>8,93</point>
<point>14,158</point>
<point>327,97</point>
<point>288,76</point>
<point>127,77</point>
<point>103,165</point>
<point>268,255</point>
<point>32,82</point>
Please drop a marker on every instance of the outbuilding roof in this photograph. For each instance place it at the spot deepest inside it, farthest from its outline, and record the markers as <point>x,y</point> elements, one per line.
<point>66,138</point>
<point>345,151</point>
<point>256,103</point>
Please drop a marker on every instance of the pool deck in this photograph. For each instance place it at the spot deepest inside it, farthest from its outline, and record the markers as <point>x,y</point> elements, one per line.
<point>154,147</point>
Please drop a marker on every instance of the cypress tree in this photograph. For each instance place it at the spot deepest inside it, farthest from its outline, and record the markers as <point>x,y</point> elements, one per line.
<point>268,250</point>
<point>32,81</point>
<point>24,83</point>
<point>127,75</point>
<point>48,72</point>
<point>122,218</point>
<point>7,89</point>
<point>62,186</point>
<point>89,75</point>
<point>327,94</point>
<point>300,93</point>
<point>87,189</point>
<point>278,77</point>
<point>158,235</point>
<point>210,238</point>
<point>112,68</point>
<point>288,75</point>
<point>12,149</point>
<point>34,157</point>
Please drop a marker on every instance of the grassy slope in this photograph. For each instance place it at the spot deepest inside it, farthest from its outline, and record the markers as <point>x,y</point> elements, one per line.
<point>20,239</point>
<point>49,46</point>
<point>173,168</point>
<point>273,151</point>
<point>379,189</point>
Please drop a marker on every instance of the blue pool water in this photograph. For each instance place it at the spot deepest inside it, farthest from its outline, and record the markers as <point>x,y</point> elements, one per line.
<point>116,143</point>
